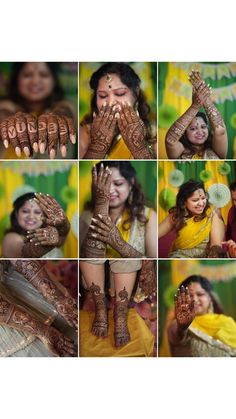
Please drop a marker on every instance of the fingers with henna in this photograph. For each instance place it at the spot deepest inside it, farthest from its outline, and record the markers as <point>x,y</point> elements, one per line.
<point>42,133</point>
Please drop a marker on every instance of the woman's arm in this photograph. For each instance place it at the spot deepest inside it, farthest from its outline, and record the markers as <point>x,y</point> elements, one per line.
<point>35,272</point>
<point>166,226</point>
<point>217,229</point>
<point>17,318</point>
<point>220,138</point>
<point>15,246</point>
<point>151,236</point>
<point>174,148</point>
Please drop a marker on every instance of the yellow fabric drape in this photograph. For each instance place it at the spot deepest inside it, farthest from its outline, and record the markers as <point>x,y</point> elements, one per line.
<point>194,232</point>
<point>218,326</point>
<point>141,343</point>
<point>120,151</point>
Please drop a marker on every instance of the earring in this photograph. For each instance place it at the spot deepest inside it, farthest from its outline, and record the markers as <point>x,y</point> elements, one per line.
<point>210,308</point>
<point>130,197</point>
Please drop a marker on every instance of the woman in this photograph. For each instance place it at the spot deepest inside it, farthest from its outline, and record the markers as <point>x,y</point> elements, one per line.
<point>116,222</point>
<point>117,126</point>
<point>35,117</point>
<point>37,318</point>
<point>199,227</point>
<point>190,136</point>
<point>200,328</point>
<point>123,275</point>
<point>39,227</point>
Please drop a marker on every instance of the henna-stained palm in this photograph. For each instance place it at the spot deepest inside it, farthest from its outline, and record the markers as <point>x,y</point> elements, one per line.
<point>184,308</point>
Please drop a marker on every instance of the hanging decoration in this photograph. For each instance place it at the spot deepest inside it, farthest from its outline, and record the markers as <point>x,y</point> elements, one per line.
<point>219,195</point>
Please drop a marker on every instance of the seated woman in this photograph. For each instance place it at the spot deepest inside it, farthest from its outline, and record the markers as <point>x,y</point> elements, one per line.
<point>200,327</point>
<point>116,222</point>
<point>190,136</point>
<point>199,227</point>
<point>124,274</point>
<point>37,317</point>
<point>35,117</point>
<point>39,227</point>
<point>117,126</point>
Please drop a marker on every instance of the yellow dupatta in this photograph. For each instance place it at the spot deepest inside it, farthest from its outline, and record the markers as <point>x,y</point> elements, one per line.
<point>120,151</point>
<point>218,326</point>
<point>194,232</point>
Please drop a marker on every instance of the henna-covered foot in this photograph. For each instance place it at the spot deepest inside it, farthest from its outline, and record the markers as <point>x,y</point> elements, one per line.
<point>100,323</point>
<point>121,332</point>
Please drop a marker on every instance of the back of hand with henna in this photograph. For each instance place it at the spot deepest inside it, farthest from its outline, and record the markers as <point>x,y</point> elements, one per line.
<point>101,183</point>
<point>102,132</point>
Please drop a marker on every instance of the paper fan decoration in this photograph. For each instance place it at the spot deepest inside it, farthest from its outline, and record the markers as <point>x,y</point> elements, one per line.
<point>219,195</point>
<point>224,169</point>
<point>167,115</point>
<point>205,175</point>
<point>176,178</point>
<point>166,199</point>
<point>35,168</point>
<point>22,190</point>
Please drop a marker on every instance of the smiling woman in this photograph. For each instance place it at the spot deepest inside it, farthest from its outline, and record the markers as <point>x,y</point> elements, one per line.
<point>39,227</point>
<point>199,227</point>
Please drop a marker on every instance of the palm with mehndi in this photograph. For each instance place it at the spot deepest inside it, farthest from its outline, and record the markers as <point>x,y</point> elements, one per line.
<point>184,308</point>
<point>53,212</point>
<point>101,185</point>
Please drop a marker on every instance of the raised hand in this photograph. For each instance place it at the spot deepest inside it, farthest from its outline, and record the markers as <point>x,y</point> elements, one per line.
<point>55,131</point>
<point>195,79</point>
<point>101,184</point>
<point>104,230</point>
<point>102,132</point>
<point>147,278</point>
<point>133,131</point>
<point>57,343</point>
<point>184,308</point>
<point>20,130</point>
<point>201,95</point>
<point>47,236</point>
<point>54,214</point>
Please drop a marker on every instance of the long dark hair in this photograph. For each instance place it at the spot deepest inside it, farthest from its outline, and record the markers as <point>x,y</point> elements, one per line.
<point>186,190</point>
<point>208,143</point>
<point>135,206</point>
<point>207,286</point>
<point>17,204</point>
<point>14,95</point>
<point>131,80</point>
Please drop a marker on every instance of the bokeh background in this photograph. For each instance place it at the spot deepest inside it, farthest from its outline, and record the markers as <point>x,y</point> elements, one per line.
<point>175,96</point>
<point>59,179</point>
<point>221,273</point>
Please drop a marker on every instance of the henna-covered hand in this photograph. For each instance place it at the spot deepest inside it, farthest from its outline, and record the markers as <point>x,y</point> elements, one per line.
<point>57,343</point>
<point>54,214</point>
<point>47,236</point>
<point>35,272</point>
<point>20,130</point>
<point>102,132</point>
<point>216,251</point>
<point>147,278</point>
<point>184,308</point>
<point>133,131</point>
<point>55,131</point>
<point>231,246</point>
<point>105,230</point>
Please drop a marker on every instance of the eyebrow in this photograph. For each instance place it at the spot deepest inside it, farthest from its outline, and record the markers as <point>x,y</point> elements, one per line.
<point>117,88</point>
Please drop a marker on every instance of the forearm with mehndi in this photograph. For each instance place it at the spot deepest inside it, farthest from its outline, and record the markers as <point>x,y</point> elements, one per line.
<point>214,115</point>
<point>177,130</point>
<point>30,250</point>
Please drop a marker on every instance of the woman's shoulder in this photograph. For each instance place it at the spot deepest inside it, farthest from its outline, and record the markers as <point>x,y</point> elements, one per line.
<point>12,244</point>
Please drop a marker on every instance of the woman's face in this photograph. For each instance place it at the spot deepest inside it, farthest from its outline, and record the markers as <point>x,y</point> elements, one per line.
<point>120,189</point>
<point>196,203</point>
<point>35,82</point>
<point>30,216</point>
<point>111,89</point>
<point>202,299</point>
<point>197,131</point>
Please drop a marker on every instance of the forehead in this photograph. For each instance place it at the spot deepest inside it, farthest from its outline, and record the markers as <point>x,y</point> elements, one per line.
<point>198,120</point>
<point>114,81</point>
<point>116,173</point>
<point>30,204</point>
<point>196,287</point>
<point>199,193</point>
<point>233,193</point>
<point>34,67</point>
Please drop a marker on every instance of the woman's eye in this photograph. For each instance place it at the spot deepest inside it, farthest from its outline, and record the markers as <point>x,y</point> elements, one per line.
<point>120,94</point>
<point>102,96</point>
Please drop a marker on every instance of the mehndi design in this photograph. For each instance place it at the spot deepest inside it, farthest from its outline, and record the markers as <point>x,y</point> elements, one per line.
<point>100,322</point>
